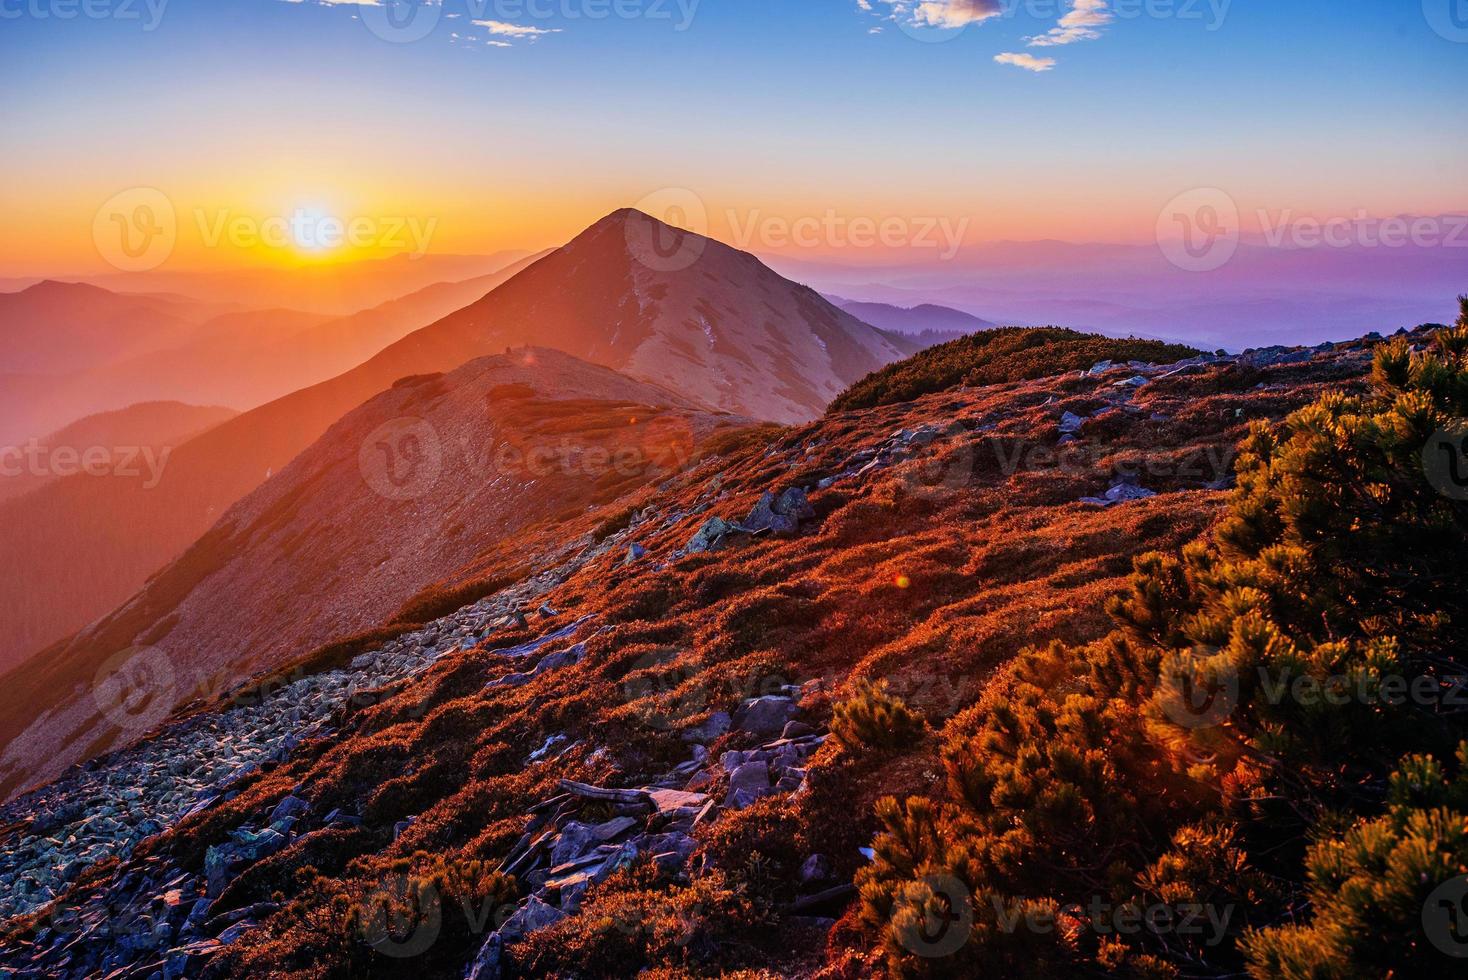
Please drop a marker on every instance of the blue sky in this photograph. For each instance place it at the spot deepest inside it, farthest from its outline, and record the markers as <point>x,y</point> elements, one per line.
<point>776,104</point>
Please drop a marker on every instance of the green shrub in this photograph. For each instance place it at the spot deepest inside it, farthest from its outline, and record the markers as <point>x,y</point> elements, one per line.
<point>1226,744</point>
<point>997,357</point>
<point>873,718</point>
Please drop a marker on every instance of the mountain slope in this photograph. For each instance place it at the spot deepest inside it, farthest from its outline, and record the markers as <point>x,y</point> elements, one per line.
<point>150,427</point>
<point>944,536</point>
<point>420,478</point>
<point>722,329</point>
<point>672,307</point>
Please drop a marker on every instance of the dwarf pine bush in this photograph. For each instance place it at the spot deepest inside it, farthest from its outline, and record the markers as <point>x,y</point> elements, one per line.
<point>873,718</point>
<point>1266,735</point>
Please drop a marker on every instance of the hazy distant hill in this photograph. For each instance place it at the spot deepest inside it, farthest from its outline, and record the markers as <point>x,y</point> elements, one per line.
<point>155,426</point>
<point>925,318</point>
<point>240,359</point>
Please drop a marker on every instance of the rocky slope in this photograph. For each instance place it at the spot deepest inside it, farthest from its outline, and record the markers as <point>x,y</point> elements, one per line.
<point>619,761</point>
<point>401,491</point>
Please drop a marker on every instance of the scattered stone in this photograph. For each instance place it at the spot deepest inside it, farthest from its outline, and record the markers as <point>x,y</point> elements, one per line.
<point>796,729</point>
<point>748,783</point>
<point>816,868</point>
<point>713,536</point>
<point>290,807</point>
<point>765,716</point>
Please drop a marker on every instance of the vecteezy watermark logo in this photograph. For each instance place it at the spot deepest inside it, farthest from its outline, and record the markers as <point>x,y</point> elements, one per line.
<point>59,462</point>
<point>1198,231</point>
<point>1209,923</point>
<point>149,12</point>
<point>400,21</point>
<point>833,231</point>
<point>1197,688</point>
<point>663,693</point>
<point>1449,18</point>
<point>402,919</point>
<point>309,230</point>
<point>936,918</point>
<point>666,247</point>
<point>1445,458</point>
<point>1362,230</point>
<point>136,230</point>
<point>135,689</point>
<point>1445,917</point>
<point>401,459</point>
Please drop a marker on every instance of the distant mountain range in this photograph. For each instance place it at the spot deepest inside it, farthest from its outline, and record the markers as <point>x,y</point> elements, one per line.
<point>1261,296</point>
<point>920,319</point>
<point>169,348</point>
<point>714,324</point>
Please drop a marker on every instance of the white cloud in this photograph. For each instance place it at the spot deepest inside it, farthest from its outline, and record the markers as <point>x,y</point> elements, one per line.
<point>1026,61</point>
<point>1079,25</point>
<point>956,13</point>
<point>946,14</point>
<point>515,30</point>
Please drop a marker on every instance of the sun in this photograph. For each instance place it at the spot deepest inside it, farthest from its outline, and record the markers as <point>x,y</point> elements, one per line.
<point>316,231</point>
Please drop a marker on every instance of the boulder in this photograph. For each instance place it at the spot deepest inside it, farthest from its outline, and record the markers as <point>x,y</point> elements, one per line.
<point>711,729</point>
<point>713,535</point>
<point>748,783</point>
<point>796,729</point>
<point>816,868</point>
<point>765,716</point>
<point>291,806</point>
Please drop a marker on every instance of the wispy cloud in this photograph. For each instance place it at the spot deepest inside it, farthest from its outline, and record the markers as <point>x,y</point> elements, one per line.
<point>1081,24</point>
<point>504,29</point>
<point>1026,61</point>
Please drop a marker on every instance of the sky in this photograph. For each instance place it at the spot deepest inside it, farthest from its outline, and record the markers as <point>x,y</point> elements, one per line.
<point>785,125</point>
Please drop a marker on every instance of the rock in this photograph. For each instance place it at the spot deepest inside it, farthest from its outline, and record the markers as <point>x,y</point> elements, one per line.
<point>635,552</point>
<point>816,868</point>
<point>712,536</point>
<point>186,961</point>
<point>1123,493</point>
<point>1136,381</point>
<point>796,729</point>
<point>711,729</point>
<point>667,800</point>
<point>1071,422</point>
<point>1098,369</point>
<point>547,611</point>
<point>578,838</point>
<point>765,716</point>
<point>764,518</point>
<point>748,783</point>
<point>236,931</point>
<point>530,917</point>
<point>291,806</point>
